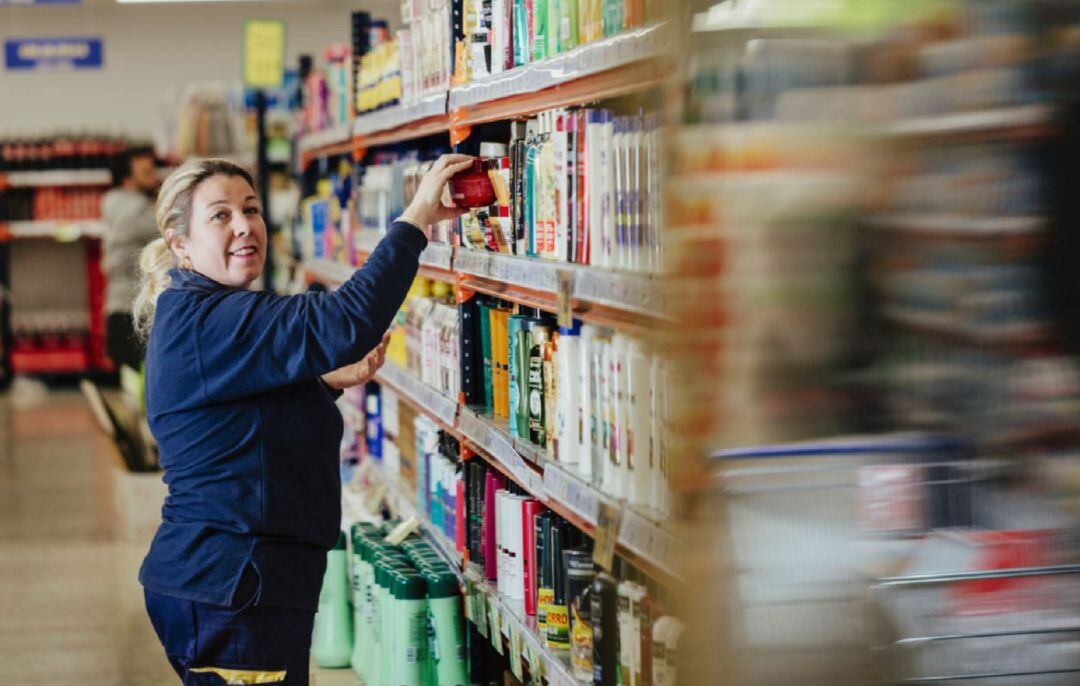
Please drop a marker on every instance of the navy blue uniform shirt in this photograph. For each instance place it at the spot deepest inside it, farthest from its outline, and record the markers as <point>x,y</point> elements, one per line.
<point>247,433</point>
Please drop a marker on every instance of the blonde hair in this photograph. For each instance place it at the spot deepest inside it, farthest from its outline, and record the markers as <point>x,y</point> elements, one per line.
<point>173,214</point>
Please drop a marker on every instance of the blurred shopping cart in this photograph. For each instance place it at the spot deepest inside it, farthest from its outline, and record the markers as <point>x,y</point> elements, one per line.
<point>895,559</point>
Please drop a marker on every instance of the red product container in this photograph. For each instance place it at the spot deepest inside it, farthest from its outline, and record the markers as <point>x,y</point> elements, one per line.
<point>472,187</point>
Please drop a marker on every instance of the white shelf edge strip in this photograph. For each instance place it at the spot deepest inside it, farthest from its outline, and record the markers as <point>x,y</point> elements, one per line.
<point>319,139</point>
<point>432,105</point>
<point>59,229</point>
<point>59,177</point>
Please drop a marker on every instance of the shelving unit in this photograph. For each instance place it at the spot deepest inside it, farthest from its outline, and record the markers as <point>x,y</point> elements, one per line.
<point>630,62</point>
<point>958,226</point>
<point>650,544</point>
<point>622,64</point>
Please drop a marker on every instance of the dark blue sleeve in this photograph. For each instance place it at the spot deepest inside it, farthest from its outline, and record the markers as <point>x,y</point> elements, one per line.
<point>252,341</point>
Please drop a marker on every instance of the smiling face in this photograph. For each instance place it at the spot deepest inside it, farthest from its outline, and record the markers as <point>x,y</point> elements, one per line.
<point>226,238</point>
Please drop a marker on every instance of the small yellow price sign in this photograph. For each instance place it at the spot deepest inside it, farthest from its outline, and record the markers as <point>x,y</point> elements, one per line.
<point>264,53</point>
<point>608,520</point>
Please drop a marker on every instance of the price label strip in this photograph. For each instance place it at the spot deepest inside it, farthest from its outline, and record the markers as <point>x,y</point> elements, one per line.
<point>494,621</point>
<point>516,654</point>
<point>608,521</point>
<point>649,541</point>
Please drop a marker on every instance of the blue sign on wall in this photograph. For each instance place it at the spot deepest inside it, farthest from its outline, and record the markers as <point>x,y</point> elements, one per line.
<point>22,3</point>
<point>44,53</point>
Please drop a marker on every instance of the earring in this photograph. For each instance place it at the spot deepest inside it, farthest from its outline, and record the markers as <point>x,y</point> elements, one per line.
<point>185,263</point>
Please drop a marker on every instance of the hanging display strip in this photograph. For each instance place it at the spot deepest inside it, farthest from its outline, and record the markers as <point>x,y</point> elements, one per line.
<point>56,177</point>
<point>500,447</point>
<point>592,58</point>
<point>634,293</point>
<point>959,226</point>
<point>529,647</point>
<point>1017,120</point>
<point>310,144</point>
<point>58,230</point>
<point>438,255</point>
<point>388,119</point>
<point>427,398</point>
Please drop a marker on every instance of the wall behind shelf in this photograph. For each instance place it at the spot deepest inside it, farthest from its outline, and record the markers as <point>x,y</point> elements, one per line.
<point>150,50</point>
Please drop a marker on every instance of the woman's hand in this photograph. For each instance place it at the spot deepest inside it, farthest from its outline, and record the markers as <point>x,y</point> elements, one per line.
<point>427,206</point>
<point>359,373</point>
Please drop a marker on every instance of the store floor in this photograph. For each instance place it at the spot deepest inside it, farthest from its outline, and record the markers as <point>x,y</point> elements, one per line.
<point>71,608</point>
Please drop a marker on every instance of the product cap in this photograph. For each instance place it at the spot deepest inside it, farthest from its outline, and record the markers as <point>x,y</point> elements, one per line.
<point>574,330</point>
<point>409,586</point>
<point>442,584</point>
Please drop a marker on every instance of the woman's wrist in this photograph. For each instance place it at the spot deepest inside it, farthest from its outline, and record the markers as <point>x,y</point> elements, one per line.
<point>410,220</point>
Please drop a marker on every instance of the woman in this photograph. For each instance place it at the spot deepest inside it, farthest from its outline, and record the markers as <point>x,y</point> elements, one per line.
<point>240,397</point>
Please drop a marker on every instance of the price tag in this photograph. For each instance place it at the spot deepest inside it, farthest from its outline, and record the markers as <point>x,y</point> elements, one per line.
<point>515,654</point>
<point>536,662</point>
<point>555,483</point>
<point>480,613</point>
<point>565,294</point>
<point>607,531</point>
<point>494,620</point>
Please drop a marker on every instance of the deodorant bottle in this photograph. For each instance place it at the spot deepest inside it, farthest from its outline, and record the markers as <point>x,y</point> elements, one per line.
<point>603,609</point>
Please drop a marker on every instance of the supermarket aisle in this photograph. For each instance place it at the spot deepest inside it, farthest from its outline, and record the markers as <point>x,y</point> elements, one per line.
<point>71,605</point>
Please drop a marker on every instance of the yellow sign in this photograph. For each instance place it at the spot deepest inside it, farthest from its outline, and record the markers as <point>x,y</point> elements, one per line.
<point>264,53</point>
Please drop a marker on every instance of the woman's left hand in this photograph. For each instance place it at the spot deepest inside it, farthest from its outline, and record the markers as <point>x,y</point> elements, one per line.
<point>360,372</point>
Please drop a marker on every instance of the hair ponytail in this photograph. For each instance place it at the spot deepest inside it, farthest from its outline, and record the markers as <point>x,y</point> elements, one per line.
<point>155,261</point>
<point>173,214</point>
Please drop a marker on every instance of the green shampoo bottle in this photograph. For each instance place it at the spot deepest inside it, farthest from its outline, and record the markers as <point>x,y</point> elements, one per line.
<point>332,645</point>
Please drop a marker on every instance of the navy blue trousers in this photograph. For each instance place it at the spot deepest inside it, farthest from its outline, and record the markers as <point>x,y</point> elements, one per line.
<point>211,645</point>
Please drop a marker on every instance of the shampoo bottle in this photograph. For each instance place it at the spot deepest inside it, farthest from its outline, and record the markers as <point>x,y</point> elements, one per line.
<point>332,645</point>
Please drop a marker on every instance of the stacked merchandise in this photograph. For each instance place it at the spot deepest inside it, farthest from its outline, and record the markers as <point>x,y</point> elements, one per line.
<point>326,97</point>
<point>64,151</point>
<point>587,397</point>
<point>60,203</point>
<point>432,338</point>
<point>388,184</point>
<point>579,186</point>
<point>406,622</point>
<point>425,49</point>
<point>326,217</point>
<point>498,35</point>
<point>379,73</point>
<point>606,623</point>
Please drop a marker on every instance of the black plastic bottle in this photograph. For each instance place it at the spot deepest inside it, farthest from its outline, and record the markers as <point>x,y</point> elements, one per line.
<point>603,610</point>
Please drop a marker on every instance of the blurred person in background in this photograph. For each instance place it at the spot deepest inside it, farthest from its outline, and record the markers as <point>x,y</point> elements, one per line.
<point>128,212</point>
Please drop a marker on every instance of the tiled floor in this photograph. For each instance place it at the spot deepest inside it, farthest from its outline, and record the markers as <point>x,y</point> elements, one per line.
<point>70,604</point>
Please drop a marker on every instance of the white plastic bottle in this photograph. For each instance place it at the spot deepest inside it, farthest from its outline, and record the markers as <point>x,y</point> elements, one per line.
<point>639,427</point>
<point>620,415</point>
<point>569,393</point>
<point>586,427</point>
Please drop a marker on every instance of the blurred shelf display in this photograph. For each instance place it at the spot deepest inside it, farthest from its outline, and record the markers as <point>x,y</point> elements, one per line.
<point>959,225</point>
<point>1011,121</point>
